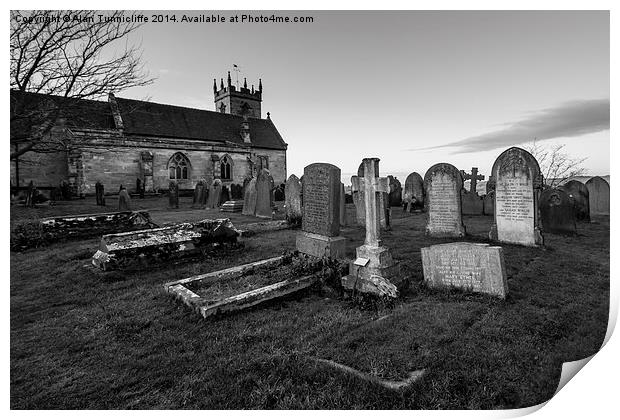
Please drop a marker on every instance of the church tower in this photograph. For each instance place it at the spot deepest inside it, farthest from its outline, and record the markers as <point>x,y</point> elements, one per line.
<point>242,102</point>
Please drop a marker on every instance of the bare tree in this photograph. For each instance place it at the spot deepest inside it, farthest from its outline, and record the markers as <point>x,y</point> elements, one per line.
<point>556,165</point>
<point>75,56</point>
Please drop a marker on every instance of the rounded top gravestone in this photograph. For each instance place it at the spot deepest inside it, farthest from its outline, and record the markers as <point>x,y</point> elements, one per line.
<point>598,189</point>
<point>292,199</point>
<point>517,184</point>
<point>443,183</point>
<point>414,188</point>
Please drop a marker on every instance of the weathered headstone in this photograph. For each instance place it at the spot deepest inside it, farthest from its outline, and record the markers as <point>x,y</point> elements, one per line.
<point>173,195</point>
<point>199,200</point>
<point>30,195</point>
<point>489,203</point>
<point>373,271</point>
<point>292,200</point>
<point>321,212</point>
<point>443,184</point>
<point>518,183</point>
<point>343,206</point>
<point>236,192</point>
<point>414,193</point>
<point>396,192</point>
<point>215,193</point>
<point>579,195</point>
<point>279,194</point>
<point>100,194</point>
<point>557,214</point>
<point>264,183</point>
<point>224,195</point>
<point>466,266</point>
<point>124,202</point>
<point>139,187</point>
<point>598,190</point>
<point>249,198</point>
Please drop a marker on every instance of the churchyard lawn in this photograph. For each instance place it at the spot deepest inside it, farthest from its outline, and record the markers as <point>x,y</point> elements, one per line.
<point>81,338</point>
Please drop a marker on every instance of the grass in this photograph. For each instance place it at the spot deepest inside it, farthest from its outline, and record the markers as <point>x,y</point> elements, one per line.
<point>91,340</point>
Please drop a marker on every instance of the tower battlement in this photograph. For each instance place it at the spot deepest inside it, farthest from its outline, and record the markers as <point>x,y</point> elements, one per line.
<point>243,101</point>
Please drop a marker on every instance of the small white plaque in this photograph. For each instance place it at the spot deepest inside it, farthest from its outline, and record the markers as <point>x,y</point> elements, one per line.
<point>361,262</point>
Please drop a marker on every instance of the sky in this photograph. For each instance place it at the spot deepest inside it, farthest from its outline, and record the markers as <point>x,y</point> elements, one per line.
<point>412,88</point>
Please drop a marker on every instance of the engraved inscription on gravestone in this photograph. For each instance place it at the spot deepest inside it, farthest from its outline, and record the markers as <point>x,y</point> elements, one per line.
<point>466,266</point>
<point>443,185</point>
<point>321,192</point>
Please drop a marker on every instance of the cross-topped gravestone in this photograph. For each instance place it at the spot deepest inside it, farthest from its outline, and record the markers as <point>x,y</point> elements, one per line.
<point>373,271</point>
<point>382,201</point>
<point>473,177</point>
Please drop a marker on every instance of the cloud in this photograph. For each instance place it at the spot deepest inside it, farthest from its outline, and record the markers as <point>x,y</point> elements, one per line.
<point>570,119</point>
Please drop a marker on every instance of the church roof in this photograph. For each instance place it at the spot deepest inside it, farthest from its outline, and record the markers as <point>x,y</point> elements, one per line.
<point>153,119</point>
<point>149,119</point>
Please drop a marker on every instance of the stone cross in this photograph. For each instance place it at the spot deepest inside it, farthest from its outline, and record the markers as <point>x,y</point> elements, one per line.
<point>371,185</point>
<point>474,178</point>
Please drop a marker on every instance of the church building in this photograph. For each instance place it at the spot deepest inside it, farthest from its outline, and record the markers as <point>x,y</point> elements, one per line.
<point>118,141</point>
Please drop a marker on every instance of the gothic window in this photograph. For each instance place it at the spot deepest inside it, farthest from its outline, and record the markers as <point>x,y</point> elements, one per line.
<point>222,108</point>
<point>179,166</point>
<point>226,167</point>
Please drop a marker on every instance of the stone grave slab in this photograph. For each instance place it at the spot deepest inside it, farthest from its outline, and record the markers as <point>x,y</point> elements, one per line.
<point>466,266</point>
<point>264,194</point>
<point>145,247</point>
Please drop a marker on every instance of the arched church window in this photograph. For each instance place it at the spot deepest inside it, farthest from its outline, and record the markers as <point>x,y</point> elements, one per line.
<point>222,108</point>
<point>178,166</point>
<point>226,167</point>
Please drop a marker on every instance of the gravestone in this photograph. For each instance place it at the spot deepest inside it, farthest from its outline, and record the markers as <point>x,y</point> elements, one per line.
<point>224,195</point>
<point>442,186</point>
<point>173,195</point>
<point>557,214</point>
<point>396,192</point>
<point>30,195</point>
<point>373,271</point>
<point>517,189</point>
<point>292,200</point>
<point>201,192</point>
<point>489,203</point>
<point>413,195</point>
<point>343,206</point>
<point>321,212</point>
<point>139,187</point>
<point>249,198</point>
<point>279,194</point>
<point>236,192</point>
<point>264,184</point>
<point>124,202</point>
<point>382,201</point>
<point>471,202</point>
<point>579,196</point>
<point>598,190</point>
<point>490,184</point>
<point>99,194</point>
<point>467,266</point>
<point>215,193</point>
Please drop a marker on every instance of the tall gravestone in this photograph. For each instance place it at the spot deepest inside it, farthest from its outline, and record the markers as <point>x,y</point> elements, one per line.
<point>579,196</point>
<point>373,271</point>
<point>292,200</point>
<point>343,206</point>
<point>173,195</point>
<point>124,202</point>
<point>517,188</point>
<point>396,192</point>
<point>443,184</point>
<point>249,198</point>
<point>200,194</point>
<point>598,190</point>
<point>320,235</point>
<point>264,194</point>
<point>413,195</point>
<point>99,194</point>
<point>215,194</point>
<point>557,214</point>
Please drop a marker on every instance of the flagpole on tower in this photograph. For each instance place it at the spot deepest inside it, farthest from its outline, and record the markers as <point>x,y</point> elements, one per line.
<point>236,70</point>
